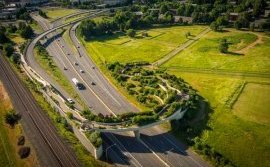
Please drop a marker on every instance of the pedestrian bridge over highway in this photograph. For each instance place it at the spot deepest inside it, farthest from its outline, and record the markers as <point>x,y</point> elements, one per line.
<point>98,126</point>
<point>118,127</point>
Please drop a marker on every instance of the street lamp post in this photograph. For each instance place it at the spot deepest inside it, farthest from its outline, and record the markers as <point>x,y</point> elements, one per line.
<point>106,151</point>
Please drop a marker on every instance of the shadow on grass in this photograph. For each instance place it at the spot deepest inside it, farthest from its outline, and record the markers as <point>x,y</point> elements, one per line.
<point>230,53</point>
<point>193,123</point>
<point>103,38</point>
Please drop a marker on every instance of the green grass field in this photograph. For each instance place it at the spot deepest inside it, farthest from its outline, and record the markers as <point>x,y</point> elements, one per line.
<point>121,48</point>
<point>244,142</point>
<point>240,133</point>
<point>205,53</point>
<point>254,103</point>
<point>54,13</point>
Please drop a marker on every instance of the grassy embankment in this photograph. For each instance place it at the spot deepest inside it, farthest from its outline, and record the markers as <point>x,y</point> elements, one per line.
<point>119,47</point>
<point>238,126</point>
<point>9,137</point>
<point>55,13</point>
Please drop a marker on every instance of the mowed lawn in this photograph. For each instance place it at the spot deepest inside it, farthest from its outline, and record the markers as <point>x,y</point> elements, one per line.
<point>205,53</point>
<point>254,103</point>
<point>54,13</point>
<point>9,137</point>
<point>244,142</point>
<point>122,48</point>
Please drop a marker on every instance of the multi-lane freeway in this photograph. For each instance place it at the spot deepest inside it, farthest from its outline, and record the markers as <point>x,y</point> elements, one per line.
<point>156,147</point>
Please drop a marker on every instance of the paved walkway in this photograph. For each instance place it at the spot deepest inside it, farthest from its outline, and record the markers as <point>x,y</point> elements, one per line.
<point>180,48</point>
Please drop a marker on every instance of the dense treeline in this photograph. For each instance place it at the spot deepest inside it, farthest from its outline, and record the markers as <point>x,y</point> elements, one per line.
<point>213,12</point>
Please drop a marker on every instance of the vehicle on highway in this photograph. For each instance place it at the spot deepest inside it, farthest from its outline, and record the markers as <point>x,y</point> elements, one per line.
<point>75,63</point>
<point>79,85</point>
<point>81,71</point>
<point>70,101</point>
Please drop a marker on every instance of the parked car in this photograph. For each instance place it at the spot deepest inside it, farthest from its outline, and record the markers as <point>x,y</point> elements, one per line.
<point>81,71</point>
<point>75,63</point>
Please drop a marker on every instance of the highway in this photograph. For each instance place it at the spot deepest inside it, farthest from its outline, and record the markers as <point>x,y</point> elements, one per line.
<point>51,149</point>
<point>61,59</point>
<point>165,147</point>
<point>104,98</point>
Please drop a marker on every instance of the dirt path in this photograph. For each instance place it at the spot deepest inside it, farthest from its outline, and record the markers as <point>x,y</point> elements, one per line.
<point>258,41</point>
<point>180,48</point>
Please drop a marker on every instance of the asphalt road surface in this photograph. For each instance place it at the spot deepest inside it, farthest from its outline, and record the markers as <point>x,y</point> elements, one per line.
<point>102,97</point>
<point>50,147</point>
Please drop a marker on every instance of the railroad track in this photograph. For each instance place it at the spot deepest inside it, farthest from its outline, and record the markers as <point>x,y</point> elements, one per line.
<point>39,123</point>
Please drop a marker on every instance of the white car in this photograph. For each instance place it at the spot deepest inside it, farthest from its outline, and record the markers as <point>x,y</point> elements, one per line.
<point>65,68</point>
<point>70,101</point>
<point>81,71</point>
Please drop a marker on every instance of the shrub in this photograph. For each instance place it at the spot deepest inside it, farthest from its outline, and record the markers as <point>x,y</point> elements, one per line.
<point>95,138</point>
<point>21,140</point>
<point>144,119</point>
<point>70,115</point>
<point>131,33</point>
<point>8,49</point>
<point>24,152</point>
<point>11,118</point>
<point>223,46</point>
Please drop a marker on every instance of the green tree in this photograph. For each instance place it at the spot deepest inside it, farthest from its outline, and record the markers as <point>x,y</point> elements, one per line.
<point>214,26</point>
<point>15,58</point>
<point>12,28</point>
<point>3,38</point>
<point>27,32</point>
<point>8,49</point>
<point>187,34</point>
<point>69,115</point>
<point>11,118</point>
<point>43,14</point>
<point>164,8</point>
<point>223,46</point>
<point>131,33</point>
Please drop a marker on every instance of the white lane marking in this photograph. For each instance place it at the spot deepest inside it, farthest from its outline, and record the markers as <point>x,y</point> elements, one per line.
<point>84,80</point>
<point>154,153</point>
<point>169,140</point>
<point>45,27</point>
<point>96,76</point>
<point>126,152</point>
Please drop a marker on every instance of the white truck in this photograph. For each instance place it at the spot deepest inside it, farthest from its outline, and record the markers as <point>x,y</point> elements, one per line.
<point>77,83</point>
